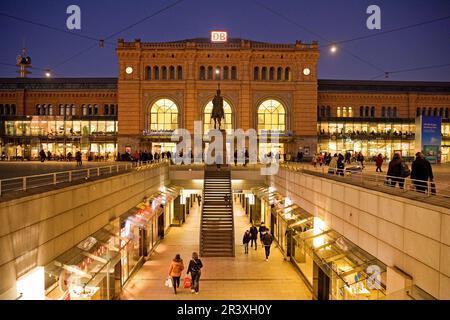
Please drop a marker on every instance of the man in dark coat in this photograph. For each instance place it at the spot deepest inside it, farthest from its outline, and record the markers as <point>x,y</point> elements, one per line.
<point>267,242</point>
<point>253,235</point>
<point>395,171</point>
<point>421,172</point>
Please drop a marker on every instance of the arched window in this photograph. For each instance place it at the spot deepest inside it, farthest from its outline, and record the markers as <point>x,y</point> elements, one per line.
<point>263,73</point>
<point>7,109</point>
<point>68,110</point>
<point>394,112</point>
<point>430,111</point>
<point>435,112</point>
<point>372,112</point>
<point>164,115</point>
<point>446,113</point>
<point>271,73</point>
<point>279,73</point>
<point>350,112</point>
<point>2,110</point>
<point>163,73</point>
<point>148,73</point>
<point>156,73</point>
<point>424,111</point>
<point>210,73</point>
<point>96,109</point>
<point>180,73</point>
<point>74,110</point>
<point>344,112</point>
<point>106,109</point>
<point>217,72</point>
<point>383,112</point>
<point>366,113</point>
<point>85,110</point>
<point>61,109</point>
<point>172,73</point>
<point>50,110</point>
<point>233,73</point>
<point>256,73</point>
<point>328,111</point>
<point>209,124</point>
<point>361,111</point>
<point>271,116</point>
<point>202,73</point>
<point>441,112</point>
<point>389,114</point>
<point>338,112</point>
<point>226,73</point>
<point>322,111</point>
<point>287,74</point>
<point>417,112</point>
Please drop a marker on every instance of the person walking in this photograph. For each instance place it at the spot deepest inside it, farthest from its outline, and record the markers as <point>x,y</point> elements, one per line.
<point>314,160</point>
<point>78,158</point>
<point>195,266</point>
<point>340,165</point>
<point>397,172</point>
<point>175,271</point>
<point>246,240</point>
<point>42,155</point>
<point>253,236</point>
<point>262,229</point>
<point>421,173</point>
<point>333,164</point>
<point>379,162</point>
<point>267,242</point>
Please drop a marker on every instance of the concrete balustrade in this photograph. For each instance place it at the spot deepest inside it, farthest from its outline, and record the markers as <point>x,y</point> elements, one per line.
<point>401,232</point>
<point>35,229</point>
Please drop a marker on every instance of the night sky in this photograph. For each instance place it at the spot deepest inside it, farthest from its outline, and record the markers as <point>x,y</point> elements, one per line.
<point>334,20</point>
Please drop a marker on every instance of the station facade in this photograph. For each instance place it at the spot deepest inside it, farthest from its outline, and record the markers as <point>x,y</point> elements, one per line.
<point>272,88</point>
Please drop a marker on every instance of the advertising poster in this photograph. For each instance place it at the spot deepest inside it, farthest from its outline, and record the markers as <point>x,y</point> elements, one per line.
<point>428,137</point>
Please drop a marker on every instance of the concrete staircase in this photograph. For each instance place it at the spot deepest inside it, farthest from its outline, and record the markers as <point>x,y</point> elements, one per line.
<point>217,225</point>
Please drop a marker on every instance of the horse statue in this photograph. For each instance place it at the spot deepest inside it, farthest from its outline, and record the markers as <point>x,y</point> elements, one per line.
<point>217,112</point>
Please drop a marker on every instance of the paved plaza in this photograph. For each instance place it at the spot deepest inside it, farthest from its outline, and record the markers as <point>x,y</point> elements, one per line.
<point>243,277</point>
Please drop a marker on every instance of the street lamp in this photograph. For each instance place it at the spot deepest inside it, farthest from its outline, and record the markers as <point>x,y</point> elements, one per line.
<point>333,48</point>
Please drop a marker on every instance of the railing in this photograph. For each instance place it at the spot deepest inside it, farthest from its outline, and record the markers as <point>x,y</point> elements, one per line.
<point>41,180</point>
<point>439,192</point>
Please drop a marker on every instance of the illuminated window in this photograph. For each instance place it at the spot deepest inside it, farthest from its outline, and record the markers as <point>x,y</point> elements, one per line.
<point>338,112</point>
<point>209,124</point>
<point>271,116</point>
<point>164,115</point>
<point>350,112</point>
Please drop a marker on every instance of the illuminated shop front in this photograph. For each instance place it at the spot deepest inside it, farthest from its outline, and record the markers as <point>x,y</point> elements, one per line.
<point>25,136</point>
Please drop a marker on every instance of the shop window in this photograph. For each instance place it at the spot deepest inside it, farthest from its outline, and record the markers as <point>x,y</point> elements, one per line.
<point>209,124</point>
<point>271,116</point>
<point>180,73</point>
<point>164,115</point>
<point>164,73</point>
<point>148,73</point>
<point>271,73</point>
<point>210,73</point>
<point>172,73</point>
<point>202,73</point>
<point>287,74</point>
<point>263,73</point>
<point>218,72</point>
<point>279,73</point>
<point>256,73</point>
<point>226,72</point>
<point>233,73</point>
<point>156,73</point>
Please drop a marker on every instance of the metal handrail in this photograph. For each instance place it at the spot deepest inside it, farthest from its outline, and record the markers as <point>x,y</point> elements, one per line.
<point>431,188</point>
<point>39,180</point>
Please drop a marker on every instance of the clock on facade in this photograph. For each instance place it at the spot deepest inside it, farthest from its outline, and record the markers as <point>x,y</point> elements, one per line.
<point>306,71</point>
<point>129,70</point>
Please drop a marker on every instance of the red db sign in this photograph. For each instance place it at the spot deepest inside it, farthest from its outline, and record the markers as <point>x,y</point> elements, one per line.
<point>219,36</point>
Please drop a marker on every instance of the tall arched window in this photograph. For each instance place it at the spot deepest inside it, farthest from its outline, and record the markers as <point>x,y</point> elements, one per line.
<point>430,111</point>
<point>156,73</point>
<point>180,73</point>
<point>435,112</point>
<point>361,111</point>
<point>338,112</point>
<point>372,112</point>
<point>226,73</point>
<point>202,73</point>
<point>287,74</point>
<point>328,111</point>
<point>389,113</point>
<point>271,116</point>
<point>61,109</point>
<point>446,113</point>
<point>163,73</point>
<point>210,73</point>
<point>172,73</point>
<point>233,73</point>
<point>148,73</point>
<point>424,111</point>
<point>418,112</point>
<point>263,73</point>
<point>209,124</point>
<point>279,73</point>
<point>366,113</point>
<point>256,73</point>
<point>350,112</point>
<point>85,111</point>
<point>271,73</point>
<point>344,112</point>
<point>441,112</point>
<point>394,112</point>
<point>164,115</point>
<point>383,112</point>
<point>217,72</point>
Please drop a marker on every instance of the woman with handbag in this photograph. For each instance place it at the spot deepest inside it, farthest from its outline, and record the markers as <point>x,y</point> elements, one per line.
<point>194,268</point>
<point>175,271</point>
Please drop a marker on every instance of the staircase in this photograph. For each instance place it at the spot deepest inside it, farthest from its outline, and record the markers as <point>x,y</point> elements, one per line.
<point>217,226</point>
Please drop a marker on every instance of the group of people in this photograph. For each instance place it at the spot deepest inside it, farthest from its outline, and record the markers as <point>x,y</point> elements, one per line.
<point>48,156</point>
<point>251,236</point>
<point>326,158</point>
<point>194,268</point>
<point>144,156</point>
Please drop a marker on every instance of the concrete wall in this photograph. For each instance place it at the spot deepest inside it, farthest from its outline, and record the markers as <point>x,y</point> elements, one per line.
<point>34,230</point>
<point>408,234</point>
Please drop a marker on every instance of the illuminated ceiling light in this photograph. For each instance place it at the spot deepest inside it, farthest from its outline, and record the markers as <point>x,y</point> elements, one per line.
<point>333,48</point>
<point>48,74</point>
<point>217,71</point>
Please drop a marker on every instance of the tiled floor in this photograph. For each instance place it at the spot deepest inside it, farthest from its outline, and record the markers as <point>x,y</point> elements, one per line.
<point>242,277</point>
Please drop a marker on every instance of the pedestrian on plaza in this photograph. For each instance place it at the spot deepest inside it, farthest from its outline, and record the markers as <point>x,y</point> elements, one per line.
<point>299,156</point>
<point>314,160</point>
<point>78,158</point>
<point>69,156</point>
<point>262,229</point>
<point>195,266</point>
<point>235,157</point>
<point>360,159</point>
<point>333,165</point>
<point>267,242</point>
<point>397,172</point>
<point>169,155</point>
<point>253,235</point>
<point>347,157</point>
<point>175,271</point>
<point>246,157</point>
<point>421,173</point>
<point>49,155</point>
<point>246,240</point>
<point>42,155</point>
<point>379,162</point>
<point>340,165</point>
<point>227,200</point>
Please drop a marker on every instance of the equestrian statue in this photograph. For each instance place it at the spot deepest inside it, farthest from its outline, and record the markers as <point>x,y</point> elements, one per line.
<point>217,111</point>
